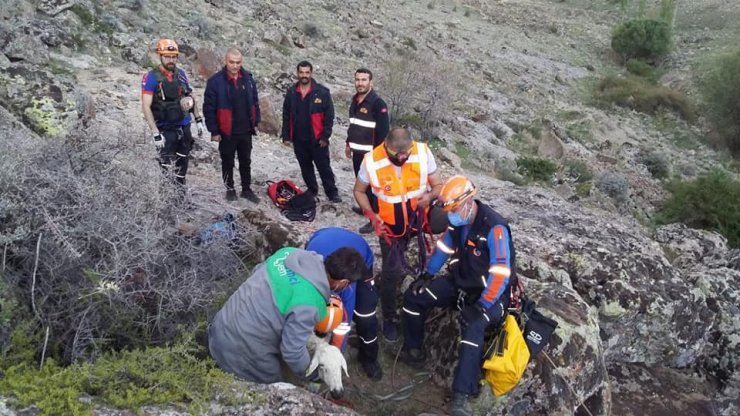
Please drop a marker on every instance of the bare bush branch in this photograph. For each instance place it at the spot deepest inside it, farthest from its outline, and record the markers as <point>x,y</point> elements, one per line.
<point>115,272</point>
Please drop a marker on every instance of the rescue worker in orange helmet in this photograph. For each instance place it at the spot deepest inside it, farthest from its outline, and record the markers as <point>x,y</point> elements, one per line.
<point>270,317</point>
<point>482,272</point>
<point>167,101</point>
<point>403,175</point>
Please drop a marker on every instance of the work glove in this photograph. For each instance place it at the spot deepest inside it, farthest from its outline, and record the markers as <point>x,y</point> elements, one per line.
<point>313,377</point>
<point>471,313</point>
<point>421,283</point>
<point>199,126</point>
<point>159,141</point>
<point>381,230</point>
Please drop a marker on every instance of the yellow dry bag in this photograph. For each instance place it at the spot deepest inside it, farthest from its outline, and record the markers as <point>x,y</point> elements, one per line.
<point>503,369</point>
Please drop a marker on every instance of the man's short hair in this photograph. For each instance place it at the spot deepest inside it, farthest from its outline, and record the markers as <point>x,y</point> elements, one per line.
<point>304,64</point>
<point>233,51</point>
<point>345,263</point>
<point>398,135</point>
<point>365,71</point>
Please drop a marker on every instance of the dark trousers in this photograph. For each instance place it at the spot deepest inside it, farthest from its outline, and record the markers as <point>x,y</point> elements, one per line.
<point>310,153</point>
<point>366,321</point>
<point>391,274</point>
<point>240,145</point>
<point>470,354</point>
<point>356,163</point>
<point>173,157</point>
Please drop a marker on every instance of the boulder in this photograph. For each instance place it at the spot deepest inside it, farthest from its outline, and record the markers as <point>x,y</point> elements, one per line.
<point>54,7</point>
<point>269,123</point>
<point>550,146</point>
<point>207,63</point>
<point>579,372</point>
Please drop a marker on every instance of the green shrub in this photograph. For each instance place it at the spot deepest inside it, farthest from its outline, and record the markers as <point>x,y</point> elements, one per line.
<point>642,38</point>
<point>638,94</point>
<point>710,202</point>
<point>505,170</point>
<point>656,163</point>
<point>583,189</point>
<point>614,185</point>
<point>161,375</point>
<point>640,68</point>
<point>536,169</point>
<point>578,171</point>
<point>722,95</point>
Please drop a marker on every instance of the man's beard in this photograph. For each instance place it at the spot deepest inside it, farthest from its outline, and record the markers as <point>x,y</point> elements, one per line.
<point>304,80</point>
<point>170,66</point>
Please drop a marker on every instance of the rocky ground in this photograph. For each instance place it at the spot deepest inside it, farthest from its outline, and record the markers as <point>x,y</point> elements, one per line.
<point>648,318</point>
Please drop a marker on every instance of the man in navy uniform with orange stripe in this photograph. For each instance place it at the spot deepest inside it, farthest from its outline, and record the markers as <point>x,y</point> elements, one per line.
<point>482,265</point>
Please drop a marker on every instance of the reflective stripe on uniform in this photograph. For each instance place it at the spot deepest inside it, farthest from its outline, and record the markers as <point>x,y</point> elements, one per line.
<point>442,246</point>
<point>361,147</point>
<point>430,293</point>
<point>421,151</point>
<point>364,315</point>
<point>368,342</point>
<point>472,344</point>
<point>411,312</point>
<point>363,123</point>
<point>500,269</point>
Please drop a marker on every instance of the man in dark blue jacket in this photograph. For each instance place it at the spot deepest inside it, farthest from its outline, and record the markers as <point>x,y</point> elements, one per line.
<point>359,298</point>
<point>232,112</point>
<point>482,267</point>
<point>308,119</point>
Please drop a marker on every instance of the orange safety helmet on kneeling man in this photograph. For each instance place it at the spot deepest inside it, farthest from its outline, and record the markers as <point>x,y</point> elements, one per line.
<point>455,192</point>
<point>334,316</point>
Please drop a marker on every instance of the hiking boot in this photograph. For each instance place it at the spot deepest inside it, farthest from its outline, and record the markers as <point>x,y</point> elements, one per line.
<point>367,228</point>
<point>413,358</point>
<point>231,195</point>
<point>390,331</point>
<point>357,210</point>
<point>372,369</point>
<point>335,198</point>
<point>249,195</point>
<point>460,405</point>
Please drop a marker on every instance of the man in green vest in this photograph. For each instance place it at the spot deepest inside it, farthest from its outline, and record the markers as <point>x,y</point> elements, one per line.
<point>271,316</point>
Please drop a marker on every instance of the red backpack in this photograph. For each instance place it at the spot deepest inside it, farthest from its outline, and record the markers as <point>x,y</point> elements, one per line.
<point>281,192</point>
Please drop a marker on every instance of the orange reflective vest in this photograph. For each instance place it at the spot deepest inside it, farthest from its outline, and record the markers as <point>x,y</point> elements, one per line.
<point>397,195</point>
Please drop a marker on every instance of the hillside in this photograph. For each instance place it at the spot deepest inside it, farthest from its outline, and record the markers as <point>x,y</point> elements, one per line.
<point>648,314</point>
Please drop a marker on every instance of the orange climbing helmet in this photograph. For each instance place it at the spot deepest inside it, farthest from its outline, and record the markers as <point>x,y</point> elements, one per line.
<point>334,316</point>
<point>167,47</point>
<point>455,192</point>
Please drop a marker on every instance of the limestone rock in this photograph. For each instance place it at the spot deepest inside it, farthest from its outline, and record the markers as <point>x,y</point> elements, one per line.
<point>550,146</point>
<point>269,123</point>
<point>446,155</point>
<point>54,7</point>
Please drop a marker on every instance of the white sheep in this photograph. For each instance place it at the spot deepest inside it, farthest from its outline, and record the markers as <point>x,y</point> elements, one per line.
<point>330,362</point>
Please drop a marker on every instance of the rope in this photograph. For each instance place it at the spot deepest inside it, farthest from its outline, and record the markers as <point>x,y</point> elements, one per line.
<point>581,403</point>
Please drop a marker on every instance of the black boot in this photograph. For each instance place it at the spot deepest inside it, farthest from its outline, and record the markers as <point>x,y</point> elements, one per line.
<point>372,369</point>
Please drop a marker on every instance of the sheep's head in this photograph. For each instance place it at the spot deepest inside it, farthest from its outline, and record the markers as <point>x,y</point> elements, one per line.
<point>330,362</point>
